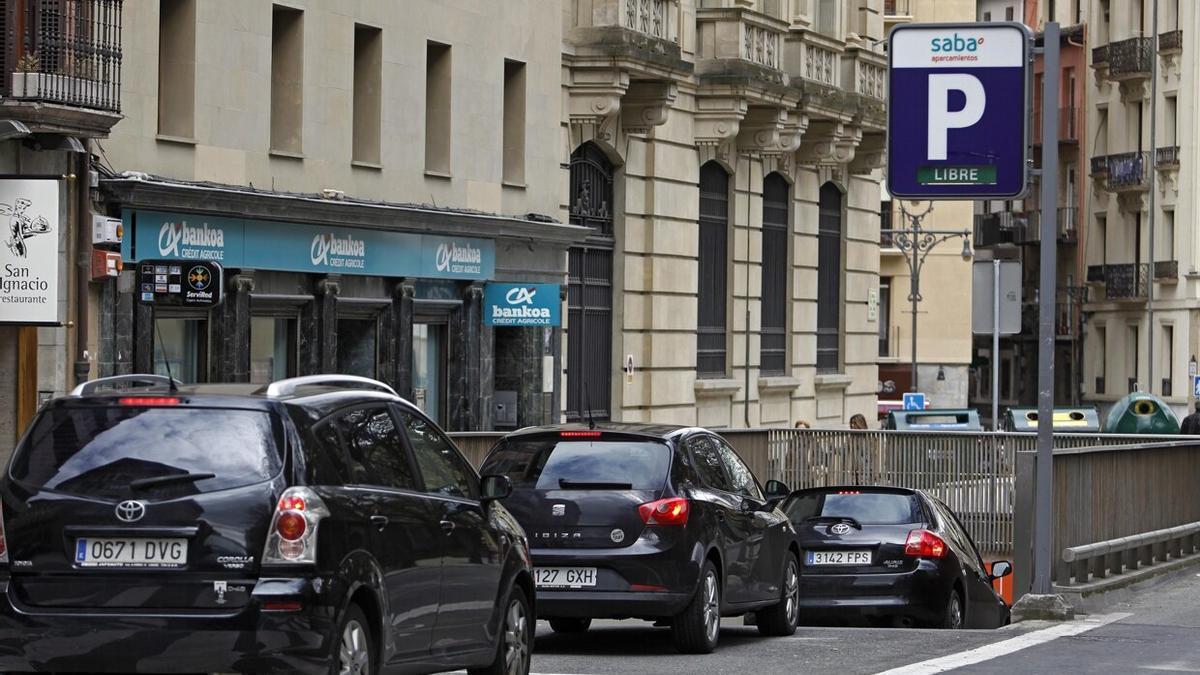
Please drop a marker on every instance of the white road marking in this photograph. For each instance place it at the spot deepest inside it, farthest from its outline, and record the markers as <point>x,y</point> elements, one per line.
<point>998,649</point>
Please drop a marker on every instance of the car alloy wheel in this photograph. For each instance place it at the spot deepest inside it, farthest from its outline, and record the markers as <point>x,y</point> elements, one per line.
<point>954,614</point>
<point>516,639</point>
<point>354,655</point>
<point>712,607</point>
<point>791,588</point>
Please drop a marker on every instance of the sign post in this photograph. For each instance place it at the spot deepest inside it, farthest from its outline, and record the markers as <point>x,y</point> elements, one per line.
<point>996,310</point>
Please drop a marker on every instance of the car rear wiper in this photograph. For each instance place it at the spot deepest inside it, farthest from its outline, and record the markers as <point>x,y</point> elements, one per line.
<point>835,519</point>
<point>568,484</point>
<point>143,483</point>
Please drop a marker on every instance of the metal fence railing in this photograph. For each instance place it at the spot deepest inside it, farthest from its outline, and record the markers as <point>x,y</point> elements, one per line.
<point>973,473</point>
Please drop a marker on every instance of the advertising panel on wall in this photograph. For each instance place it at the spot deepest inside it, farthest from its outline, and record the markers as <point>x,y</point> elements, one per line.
<point>304,247</point>
<point>29,256</point>
<point>521,305</point>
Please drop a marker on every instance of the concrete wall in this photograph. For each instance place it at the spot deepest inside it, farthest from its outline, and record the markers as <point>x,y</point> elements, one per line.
<point>232,129</point>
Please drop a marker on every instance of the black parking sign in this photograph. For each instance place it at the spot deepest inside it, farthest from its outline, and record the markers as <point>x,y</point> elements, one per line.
<point>180,283</point>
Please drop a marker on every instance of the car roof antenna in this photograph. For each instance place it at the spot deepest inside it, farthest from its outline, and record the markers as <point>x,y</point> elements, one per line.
<point>587,401</point>
<point>166,362</point>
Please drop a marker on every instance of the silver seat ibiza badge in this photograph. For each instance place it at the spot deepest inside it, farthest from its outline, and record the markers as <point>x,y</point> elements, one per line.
<point>558,510</point>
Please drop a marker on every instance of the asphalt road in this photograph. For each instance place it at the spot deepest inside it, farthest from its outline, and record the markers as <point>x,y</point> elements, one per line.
<point>1158,631</point>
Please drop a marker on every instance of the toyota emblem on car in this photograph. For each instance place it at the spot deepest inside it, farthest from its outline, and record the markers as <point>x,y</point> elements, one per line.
<point>840,529</point>
<point>130,511</point>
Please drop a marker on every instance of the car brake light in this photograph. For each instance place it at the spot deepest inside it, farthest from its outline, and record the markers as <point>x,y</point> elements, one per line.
<point>292,538</point>
<point>849,492</point>
<point>647,588</point>
<point>579,434</point>
<point>3,539</point>
<point>148,400</point>
<point>291,525</point>
<point>282,606</point>
<point>671,511</point>
<point>924,544</point>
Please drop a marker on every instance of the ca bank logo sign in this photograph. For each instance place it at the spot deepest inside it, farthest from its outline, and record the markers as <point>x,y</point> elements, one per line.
<point>458,259</point>
<point>180,240</point>
<point>521,305</point>
<point>343,252</point>
<point>958,111</point>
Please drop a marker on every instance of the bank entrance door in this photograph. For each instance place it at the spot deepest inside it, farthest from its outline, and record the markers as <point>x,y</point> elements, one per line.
<point>429,369</point>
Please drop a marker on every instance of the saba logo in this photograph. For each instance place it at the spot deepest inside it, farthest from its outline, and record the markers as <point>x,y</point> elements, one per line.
<point>957,43</point>
<point>173,235</point>
<point>326,245</point>
<point>450,253</point>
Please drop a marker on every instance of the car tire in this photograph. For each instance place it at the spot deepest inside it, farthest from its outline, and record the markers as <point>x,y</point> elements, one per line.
<point>695,630</point>
<point>570,625</point>
<point>779,620</point>
<point>354,650</point>
<point>953,619</point>
<point>515,641</point>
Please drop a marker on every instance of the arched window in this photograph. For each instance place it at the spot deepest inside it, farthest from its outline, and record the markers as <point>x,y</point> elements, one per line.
<point>589,288</point>
<point>592,189</point>
<point>775,292</point>
<point>712,290</point>
<point>829,280</point>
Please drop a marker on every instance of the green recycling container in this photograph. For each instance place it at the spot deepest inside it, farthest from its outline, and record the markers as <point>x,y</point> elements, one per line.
<point>1141,413</point>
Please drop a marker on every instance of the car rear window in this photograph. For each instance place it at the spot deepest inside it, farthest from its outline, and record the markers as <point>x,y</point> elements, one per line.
<point>102,451</point>
<point>868,508</point>
<point>553,464</point>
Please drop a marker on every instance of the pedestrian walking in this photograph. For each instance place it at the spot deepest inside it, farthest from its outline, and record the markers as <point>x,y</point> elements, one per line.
<point>1191,423</point>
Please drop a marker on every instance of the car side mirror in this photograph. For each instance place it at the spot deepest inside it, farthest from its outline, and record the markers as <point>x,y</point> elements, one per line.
<point>495,487</point>
<point>776,490</point>
<point>1001,568</point>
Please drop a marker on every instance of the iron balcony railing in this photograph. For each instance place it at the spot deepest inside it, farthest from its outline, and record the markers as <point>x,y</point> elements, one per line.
<point>1171,41</point>
<point>1100,57</point>
<point>897,7</point>
<point>1099,165</point>
<point>1126,282</point>
<point>995,228</point>
<point>1030,232</point>
<point>1127,171</point>
<point>1167,156</point>
<point>65,52</point>
<point>1095,274</point>
<point>1166,269</point>
<point>1130,59</point>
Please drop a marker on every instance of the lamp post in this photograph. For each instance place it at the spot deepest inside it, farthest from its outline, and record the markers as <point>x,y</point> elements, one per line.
<point>916,242</point>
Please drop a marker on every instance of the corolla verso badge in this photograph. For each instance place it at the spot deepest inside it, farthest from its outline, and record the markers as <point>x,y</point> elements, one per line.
<point>840,529</point>
<point>617,536</point>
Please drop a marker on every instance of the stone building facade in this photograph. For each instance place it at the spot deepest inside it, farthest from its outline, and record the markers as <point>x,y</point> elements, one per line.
<point>726,156</point>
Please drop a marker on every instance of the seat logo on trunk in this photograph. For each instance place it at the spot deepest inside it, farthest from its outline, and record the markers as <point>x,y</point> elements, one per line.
<point>558,510</point>
<point>840,529</point>
<point>130,511</point>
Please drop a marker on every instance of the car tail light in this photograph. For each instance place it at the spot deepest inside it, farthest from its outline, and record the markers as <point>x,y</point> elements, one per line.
<point>579,434</point>
<point>282,606</point>
<point>647,588</point>
<point>924,544</point>
<point>3,540</point>
<point>148,400</point>
<point>292,538</point>
<point>672,511</point>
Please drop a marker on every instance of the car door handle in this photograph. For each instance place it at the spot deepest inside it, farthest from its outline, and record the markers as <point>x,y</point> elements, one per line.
<point>379,522</point>
<point>447,526</point>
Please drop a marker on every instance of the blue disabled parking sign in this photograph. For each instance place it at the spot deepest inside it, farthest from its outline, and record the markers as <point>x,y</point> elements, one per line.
<point>958,111</point>
<point>913,401</point>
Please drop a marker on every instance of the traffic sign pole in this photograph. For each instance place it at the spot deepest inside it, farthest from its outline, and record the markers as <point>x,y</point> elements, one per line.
<point>1044,486</point>
<point>995,344</point>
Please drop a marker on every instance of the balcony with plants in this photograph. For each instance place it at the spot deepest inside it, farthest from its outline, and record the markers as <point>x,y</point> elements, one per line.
<point>62,65</point>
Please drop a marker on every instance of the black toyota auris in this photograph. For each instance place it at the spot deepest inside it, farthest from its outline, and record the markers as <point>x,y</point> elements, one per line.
<point>659,523</point>
<point>890,554</point>
<point>317,525</point>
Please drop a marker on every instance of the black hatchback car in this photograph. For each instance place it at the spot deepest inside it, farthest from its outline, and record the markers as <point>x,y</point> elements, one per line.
<point>319,524</point>
<point>657,523</point>
<point>893,554</point>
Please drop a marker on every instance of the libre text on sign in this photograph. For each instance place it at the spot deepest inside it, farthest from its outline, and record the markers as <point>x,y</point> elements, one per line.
<point>29,250</point>
<point>958,105</point>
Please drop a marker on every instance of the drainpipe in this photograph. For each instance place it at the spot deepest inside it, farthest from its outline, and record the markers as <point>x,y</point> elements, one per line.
<point>83,273</point>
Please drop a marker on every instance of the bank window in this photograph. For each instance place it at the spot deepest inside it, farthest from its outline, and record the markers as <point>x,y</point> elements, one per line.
<point>181,348</point>
<point>775,292</point>
<point>358,346</point>
<point>829,279</point>
<point>273,342</point>
<point>714,244</point>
